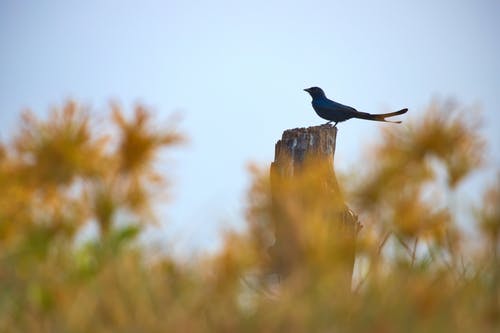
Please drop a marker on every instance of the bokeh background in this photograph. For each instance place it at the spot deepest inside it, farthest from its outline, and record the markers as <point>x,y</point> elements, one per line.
<point>235,71</point>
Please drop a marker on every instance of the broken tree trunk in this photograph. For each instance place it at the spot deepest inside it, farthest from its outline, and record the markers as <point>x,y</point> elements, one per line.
<point>305,195</point>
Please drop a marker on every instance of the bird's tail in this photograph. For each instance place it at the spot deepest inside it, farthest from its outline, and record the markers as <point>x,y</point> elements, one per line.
<point>381,116</point>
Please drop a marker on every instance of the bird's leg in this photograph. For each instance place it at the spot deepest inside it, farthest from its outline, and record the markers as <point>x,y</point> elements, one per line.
<point>328,122</point>
<point>335,124</point>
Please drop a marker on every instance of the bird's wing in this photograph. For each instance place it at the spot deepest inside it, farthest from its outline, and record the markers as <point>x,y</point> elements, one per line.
<point>334,106</point>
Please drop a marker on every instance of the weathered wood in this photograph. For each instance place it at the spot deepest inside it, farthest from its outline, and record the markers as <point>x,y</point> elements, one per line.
<point>293,154</point>
<point>296,144</point>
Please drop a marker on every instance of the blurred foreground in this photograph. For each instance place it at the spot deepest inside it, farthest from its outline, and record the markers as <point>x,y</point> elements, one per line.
<point>416,270</point>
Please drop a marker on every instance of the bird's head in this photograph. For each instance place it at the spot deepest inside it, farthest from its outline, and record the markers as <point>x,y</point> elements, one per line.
<point>315,92</point>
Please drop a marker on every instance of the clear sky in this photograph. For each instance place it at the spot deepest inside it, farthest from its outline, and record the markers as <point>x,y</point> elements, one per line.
<point>236,70</point>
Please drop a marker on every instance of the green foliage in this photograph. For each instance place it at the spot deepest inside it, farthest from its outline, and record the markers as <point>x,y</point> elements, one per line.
<point>415,271</point>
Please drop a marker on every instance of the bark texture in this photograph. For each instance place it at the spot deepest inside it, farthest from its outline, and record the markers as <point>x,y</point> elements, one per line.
<point>295,153</point>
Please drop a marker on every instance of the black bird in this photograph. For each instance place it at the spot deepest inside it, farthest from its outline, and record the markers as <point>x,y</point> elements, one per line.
<point>333,111</point>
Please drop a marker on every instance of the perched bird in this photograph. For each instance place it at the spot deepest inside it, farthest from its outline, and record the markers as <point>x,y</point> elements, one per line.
<point>333,111</point>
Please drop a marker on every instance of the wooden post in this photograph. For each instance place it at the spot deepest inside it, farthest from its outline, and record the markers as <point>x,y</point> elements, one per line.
<point>298,149</point>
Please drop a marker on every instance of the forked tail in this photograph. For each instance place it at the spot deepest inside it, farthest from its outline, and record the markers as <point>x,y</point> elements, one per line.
<point>382,116</point>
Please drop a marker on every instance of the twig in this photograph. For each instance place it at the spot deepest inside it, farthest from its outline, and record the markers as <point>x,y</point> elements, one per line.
<point>413,254</point>
<point>384,240</point>
<point>403,243</point>
<point>379,250</point>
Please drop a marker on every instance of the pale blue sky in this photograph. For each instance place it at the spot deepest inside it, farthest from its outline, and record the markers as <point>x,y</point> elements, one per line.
<point>236,69</point>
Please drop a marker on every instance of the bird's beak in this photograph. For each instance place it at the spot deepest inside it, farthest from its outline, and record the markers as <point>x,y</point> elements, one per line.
<point>306,89</point>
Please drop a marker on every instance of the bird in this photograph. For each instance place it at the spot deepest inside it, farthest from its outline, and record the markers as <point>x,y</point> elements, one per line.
<point>336,112</point>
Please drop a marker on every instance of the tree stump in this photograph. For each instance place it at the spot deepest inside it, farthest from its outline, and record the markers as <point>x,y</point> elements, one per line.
<point>308,151</point>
